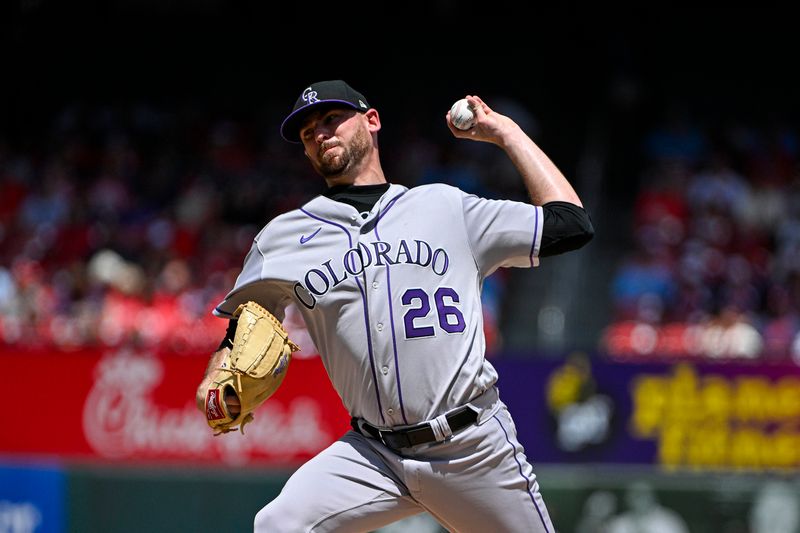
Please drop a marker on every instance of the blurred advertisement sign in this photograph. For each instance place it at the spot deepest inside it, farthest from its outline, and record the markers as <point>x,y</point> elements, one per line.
<point>126,406</point>
<point>693,416</point>
<point>129,406</point>
<point>31,499</point>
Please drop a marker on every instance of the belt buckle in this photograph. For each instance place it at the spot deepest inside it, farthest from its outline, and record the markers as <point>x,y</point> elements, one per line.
<point>392,444</point>
<point>380,437</point>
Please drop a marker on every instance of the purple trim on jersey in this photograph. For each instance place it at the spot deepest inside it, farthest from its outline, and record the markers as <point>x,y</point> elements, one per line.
<point>220,311</point>
<point>388,206</point>
<point>366,315</point>
<point>527,481</point>
<point>535,232</point>
<point>391,312</point>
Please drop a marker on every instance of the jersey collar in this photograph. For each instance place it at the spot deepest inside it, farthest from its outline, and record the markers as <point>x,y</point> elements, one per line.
<point>324,207</point>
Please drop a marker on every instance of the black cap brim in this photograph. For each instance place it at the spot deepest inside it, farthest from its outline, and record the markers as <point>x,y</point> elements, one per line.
<point>290,129</point>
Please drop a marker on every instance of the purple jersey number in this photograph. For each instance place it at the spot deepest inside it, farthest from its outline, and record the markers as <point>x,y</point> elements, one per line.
<point>443,310</point>
<point>412,332</point>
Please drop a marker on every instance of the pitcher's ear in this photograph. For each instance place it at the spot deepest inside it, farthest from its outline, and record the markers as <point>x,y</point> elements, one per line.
<point>373,119</point>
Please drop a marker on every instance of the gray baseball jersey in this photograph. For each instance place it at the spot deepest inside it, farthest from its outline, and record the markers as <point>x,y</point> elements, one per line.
<point>392,300</point>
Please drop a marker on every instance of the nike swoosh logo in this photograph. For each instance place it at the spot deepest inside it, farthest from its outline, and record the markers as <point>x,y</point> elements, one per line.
<point>304,239</point>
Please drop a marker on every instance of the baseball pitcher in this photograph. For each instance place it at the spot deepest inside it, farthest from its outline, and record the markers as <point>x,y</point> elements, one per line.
<point>388,280</point>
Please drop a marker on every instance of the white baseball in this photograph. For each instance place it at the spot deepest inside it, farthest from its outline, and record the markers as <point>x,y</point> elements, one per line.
<point>461,115</point>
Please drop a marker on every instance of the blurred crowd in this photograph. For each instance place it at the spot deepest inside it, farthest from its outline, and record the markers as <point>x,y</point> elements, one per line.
<point>713,269</point>
<point>127,224</point>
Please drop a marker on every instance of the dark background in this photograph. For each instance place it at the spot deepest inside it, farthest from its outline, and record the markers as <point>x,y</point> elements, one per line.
<point>245,58</point>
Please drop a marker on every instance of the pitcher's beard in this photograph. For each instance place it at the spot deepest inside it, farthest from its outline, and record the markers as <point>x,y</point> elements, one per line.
<point>350,158</point>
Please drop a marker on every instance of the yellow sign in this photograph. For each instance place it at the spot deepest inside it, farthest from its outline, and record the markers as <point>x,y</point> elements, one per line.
<point>711,421</point>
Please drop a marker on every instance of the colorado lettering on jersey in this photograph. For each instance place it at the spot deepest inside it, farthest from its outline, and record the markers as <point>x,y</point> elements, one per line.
<point>319,280</point>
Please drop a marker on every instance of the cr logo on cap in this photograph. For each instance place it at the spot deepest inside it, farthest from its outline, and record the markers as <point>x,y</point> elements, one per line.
<point>310,95</point>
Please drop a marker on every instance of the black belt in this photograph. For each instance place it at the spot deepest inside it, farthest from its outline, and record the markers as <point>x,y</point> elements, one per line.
<point>416,435</point>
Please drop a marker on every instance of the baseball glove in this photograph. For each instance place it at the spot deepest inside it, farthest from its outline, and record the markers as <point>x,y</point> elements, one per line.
<point>252,370</point>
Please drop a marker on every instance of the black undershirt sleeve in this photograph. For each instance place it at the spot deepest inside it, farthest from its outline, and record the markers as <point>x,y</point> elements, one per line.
<point>566,227</point>
<point>227,342</point>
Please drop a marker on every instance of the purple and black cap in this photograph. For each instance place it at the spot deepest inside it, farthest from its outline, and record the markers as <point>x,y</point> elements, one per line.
<point>330,93</point>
